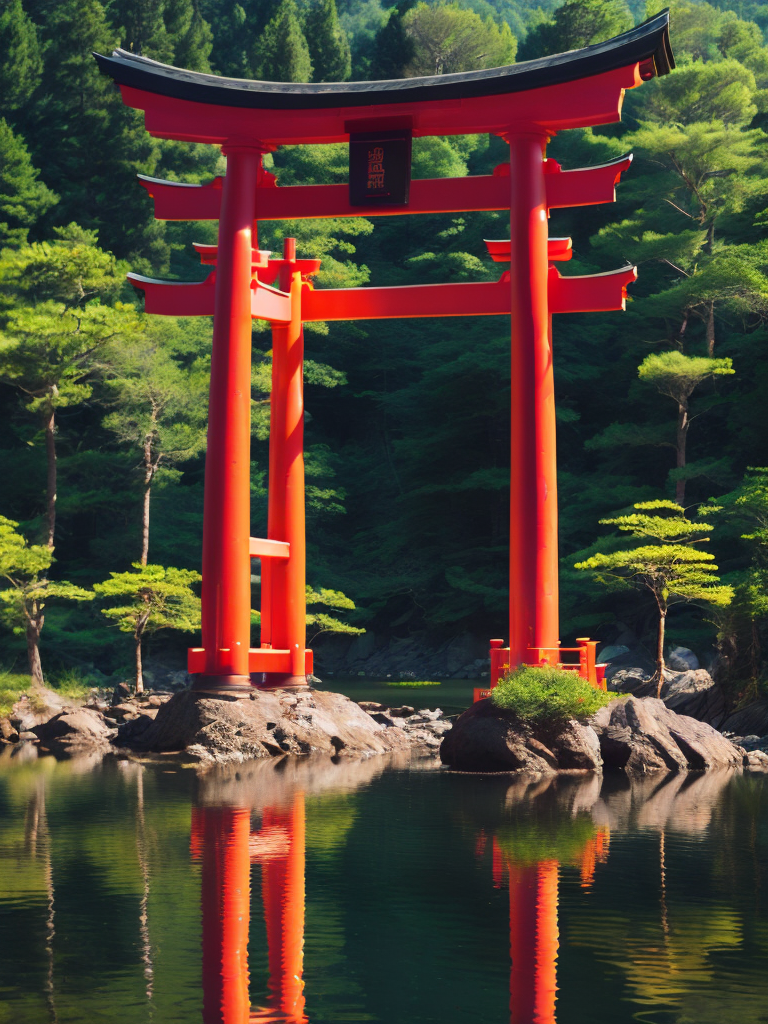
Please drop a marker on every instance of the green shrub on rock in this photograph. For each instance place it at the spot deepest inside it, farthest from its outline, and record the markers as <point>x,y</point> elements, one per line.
<point>542,695</point>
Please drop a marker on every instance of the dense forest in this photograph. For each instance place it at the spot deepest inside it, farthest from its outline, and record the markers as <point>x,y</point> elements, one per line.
<point>104,409</point>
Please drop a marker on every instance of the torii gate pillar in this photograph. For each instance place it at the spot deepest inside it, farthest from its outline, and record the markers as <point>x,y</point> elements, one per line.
<point>533,590</point>
<point>226,588</point>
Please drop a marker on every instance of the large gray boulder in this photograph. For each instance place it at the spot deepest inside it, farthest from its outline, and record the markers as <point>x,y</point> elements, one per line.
<point>489,739</point>
<point>231,728</point>
<point>694,692</point>
<point>643,735</point>
<point>74,731</point>
<point>681,659</point>
<point>749,721</point>
<point>691,692</point>
<point>35,708</point>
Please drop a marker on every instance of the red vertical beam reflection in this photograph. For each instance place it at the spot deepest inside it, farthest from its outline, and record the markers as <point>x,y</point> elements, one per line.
<point>282,887</point>
<point>222,833</point>
<point>533,940</point>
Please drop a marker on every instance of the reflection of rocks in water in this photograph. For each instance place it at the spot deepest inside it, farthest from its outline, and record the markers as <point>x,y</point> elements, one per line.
<point>258,784</point>
<point>678,803</point>
<point>681,802</point>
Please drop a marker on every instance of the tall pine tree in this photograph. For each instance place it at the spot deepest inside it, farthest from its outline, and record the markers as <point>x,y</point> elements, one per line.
<point>23,199</point>
<point>20,60</point>
<point>393,48</point>
<point>328,43</point>
<point>282,54</point>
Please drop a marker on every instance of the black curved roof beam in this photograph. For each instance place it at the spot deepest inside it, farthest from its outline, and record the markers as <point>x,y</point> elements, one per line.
<point>647,43</point>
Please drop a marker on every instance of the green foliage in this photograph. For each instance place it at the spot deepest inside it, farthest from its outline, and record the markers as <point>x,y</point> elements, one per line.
<point>393,47</point>
<point>20,58</point>
<point>532,838</point>
<point>281,53</point>
<point>23,199</point>
<point>671,568</point>
<point>325,623</point>
<point>25,588</point>
<point>158,598</point>
<point>448,38</point>
<point>12,686</point>
<point>677,376</point>
<point>548,696</point>
<point>423,682</point>
<point>327,42</point>
<point>577,23</point>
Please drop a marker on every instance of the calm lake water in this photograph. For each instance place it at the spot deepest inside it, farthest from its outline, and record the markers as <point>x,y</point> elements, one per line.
<point>307,891</point>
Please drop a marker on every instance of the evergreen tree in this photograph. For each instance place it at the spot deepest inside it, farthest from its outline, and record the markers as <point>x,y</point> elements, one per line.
<point>232,43</point>
<point>48,349</point>
<point>677,376</point>
<point>393,48</point>
<point>158,408</point>
<point>448,38</point>
<point>670,567</point>
<point>27,590</point>
<point>23,199</point>
<point>87,144</point>
<point>577,23</point>
<point>281,53</point>
<point>327,42</point>
<point>20,59</point>
<point>156,598</point>
<point>193,47</point>
<point>143,30</point>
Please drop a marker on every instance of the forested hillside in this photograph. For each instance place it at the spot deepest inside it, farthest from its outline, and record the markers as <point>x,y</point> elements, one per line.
<point>104,409</point>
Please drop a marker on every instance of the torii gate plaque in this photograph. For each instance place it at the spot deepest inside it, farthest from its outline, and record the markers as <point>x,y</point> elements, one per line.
<point>525,104</point>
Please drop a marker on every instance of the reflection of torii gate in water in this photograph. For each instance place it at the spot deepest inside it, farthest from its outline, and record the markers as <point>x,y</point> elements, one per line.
<point>222,840</point>
<point>525,104</point>
<point>534,936</point>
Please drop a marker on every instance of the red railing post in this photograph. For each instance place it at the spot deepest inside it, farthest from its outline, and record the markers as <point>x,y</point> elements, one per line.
<point>499,661</point>
<point>226,587</point>
<point>587,659</point>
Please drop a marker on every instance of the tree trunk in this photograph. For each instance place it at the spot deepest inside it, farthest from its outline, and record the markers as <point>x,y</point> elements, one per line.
<point>149,472</point>
<point>681,440</point>
<point>50,455</point>
<point>710,330</point>
<point>660,652</point>
<point>34,628</point>
<point>139,673</point>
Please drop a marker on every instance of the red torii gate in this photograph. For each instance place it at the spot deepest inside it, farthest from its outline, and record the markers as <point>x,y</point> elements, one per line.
<point>525,104</point>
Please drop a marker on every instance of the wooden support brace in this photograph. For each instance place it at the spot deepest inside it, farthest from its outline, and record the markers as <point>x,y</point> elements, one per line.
<point>262,548</point>
<point>583,186</point>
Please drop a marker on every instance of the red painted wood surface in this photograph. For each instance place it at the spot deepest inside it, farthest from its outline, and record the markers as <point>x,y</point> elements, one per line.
<point>583,186</point>
<point>226,587</point>
<point>592,101</point>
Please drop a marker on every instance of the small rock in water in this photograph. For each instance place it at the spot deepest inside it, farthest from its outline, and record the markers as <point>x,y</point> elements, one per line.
<point>402,712</point>
<point>756,761</point>
<point>372,706</point>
